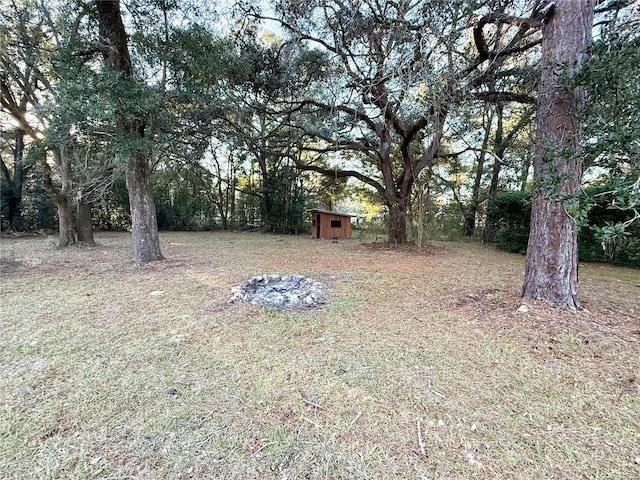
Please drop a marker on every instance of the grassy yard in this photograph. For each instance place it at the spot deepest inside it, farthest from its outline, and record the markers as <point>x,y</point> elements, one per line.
<point>420,365</point>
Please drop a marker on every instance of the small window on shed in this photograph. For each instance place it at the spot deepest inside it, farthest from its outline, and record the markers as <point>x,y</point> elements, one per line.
<point>336,223</point>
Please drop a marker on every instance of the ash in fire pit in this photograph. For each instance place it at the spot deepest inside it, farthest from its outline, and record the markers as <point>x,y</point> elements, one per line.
<point>281,292</point>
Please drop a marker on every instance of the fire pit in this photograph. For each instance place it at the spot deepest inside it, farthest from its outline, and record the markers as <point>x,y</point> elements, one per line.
<point>281,292</point>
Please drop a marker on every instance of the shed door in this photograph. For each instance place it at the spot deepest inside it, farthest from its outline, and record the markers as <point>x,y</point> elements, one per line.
<point>318,226</point>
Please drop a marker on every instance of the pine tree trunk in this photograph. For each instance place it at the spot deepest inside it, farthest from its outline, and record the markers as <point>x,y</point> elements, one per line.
<point>551,271</point>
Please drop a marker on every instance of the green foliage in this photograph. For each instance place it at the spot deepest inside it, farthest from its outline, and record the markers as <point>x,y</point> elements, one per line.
<point>444,222</point>
<point>197,60</point>
<point>111,213</point>
<point>612,125</point>
<point>182,202</point>
<point>38,210</point>
<point>600,240</point>
<point>613,235</point>
<point>508,215</point>
<point>283,200</point>
<point>611,116</point>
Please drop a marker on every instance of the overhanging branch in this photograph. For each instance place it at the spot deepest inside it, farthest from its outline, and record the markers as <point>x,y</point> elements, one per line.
<point>495,97</point>
<point>499,19</point>
<point>335,173</point>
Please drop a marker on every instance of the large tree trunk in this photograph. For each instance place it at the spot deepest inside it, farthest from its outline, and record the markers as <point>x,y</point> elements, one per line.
<point>551,271</point>
<point>85,226</point>
<point>62,195</point>
<point>144,224</point>
<point>144,227</point>
<point>66,232</point>
<point>398,220</point>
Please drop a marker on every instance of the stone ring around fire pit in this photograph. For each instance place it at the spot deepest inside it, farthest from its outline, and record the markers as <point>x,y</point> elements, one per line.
<point>281,292</point>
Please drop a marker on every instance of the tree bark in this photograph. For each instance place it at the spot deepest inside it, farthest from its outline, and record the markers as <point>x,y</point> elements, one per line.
<point>398,220</point>
<point>144,226</point>
<point>66,232</point>
<point>62,195</point>
<point>85,226</point>
<point>551,271</point>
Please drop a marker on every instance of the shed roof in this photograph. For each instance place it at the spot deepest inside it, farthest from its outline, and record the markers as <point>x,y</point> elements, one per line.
<point>319,210</point>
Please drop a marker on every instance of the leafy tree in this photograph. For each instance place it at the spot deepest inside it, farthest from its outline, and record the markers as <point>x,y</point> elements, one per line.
<point>254,75</point>
<point>512,145</point>
<point>185,198</point>
<point>225,175</point>
<point>132,115</point>
<point>42,86</point>
<point>14,175</point>
<point>509,215</point>
<point>611,117</point>
<point>399,70</point>
<point>24,60</point>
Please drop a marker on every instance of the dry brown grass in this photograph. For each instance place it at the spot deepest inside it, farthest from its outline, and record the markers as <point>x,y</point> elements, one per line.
<point>420,366</point>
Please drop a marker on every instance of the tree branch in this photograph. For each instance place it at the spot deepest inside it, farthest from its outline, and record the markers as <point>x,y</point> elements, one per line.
<point>335,173</point>
<point>355,113</point>
<point>495,97</point>
<point>101,48</point>
<point>499,19</point>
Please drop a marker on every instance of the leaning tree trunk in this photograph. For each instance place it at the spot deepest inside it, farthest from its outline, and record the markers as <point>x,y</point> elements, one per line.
<point>551,271</point>
<point>144,226</point>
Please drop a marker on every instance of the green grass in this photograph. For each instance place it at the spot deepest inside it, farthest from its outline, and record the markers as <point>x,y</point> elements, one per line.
<point>101,379</point>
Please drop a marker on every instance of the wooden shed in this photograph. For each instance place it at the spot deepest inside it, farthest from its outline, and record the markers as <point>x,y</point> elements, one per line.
<point>331,225</point>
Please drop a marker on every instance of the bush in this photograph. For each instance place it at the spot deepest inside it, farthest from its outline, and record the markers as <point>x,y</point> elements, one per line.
<point>38,209</point>
<point>111,213</point>
<point>508,218</point>
<point>508,215</point>
<point>624,249</point>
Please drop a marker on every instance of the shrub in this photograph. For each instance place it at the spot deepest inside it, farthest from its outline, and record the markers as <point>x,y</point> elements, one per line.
<point>508,218</point>
<point>508,215</point>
